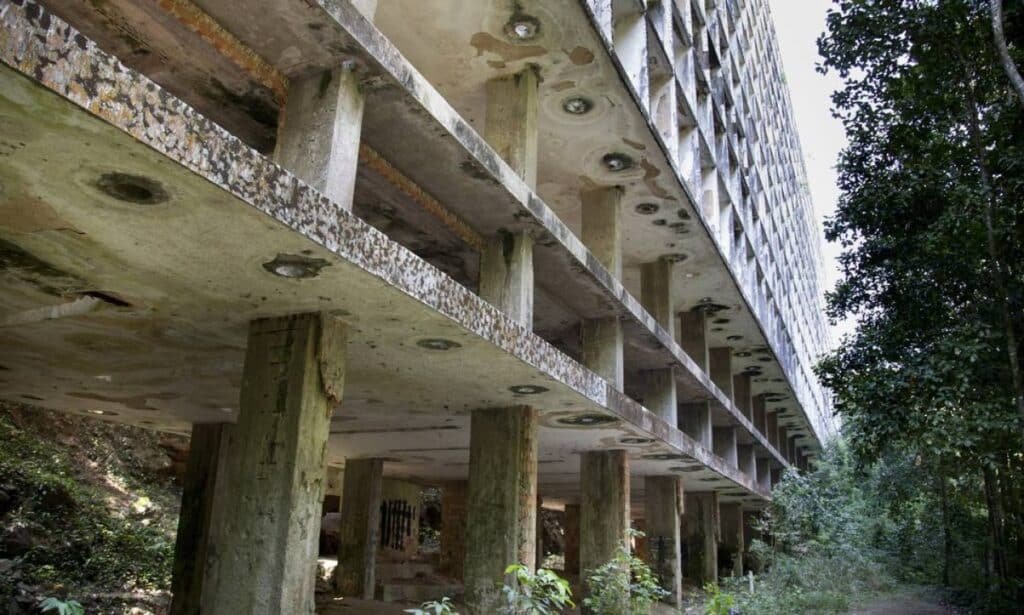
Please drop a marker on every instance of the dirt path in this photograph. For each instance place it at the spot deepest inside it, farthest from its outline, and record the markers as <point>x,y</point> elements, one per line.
<point>904,605</point>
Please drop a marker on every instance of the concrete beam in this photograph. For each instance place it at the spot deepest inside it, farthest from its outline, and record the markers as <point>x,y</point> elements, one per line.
<point>725,444</point>
<point>656,293</point>
<point>601,340</point>
<point>693,336</point>
<point>195,524</point>
<point>701,531</point>
<point>695,421</point>
<point>604,507</point>
<point>359,534</point>
<point>269,510</point>
<point>506,276</point>
<point>601,216</point>
<point>453,529</point>
<point>501,522</point>
<point>663,500</point>
<point>732,535</point>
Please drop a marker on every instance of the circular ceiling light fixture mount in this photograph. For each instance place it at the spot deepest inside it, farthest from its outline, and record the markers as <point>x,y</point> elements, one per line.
<point>437,343</point>
<point>635,440</point>
<point>577,105</point>
<point>527,389</point>
<point>295,266</point>
<point>617,162</point>
<point>588,420</point>
<point>131,188</point>
<point>522,27</point>
<point>647,209</point>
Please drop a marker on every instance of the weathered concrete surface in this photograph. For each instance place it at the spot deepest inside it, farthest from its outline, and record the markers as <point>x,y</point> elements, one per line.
<point>693,331</point>
<point>601,227</point>
<point>501,522</point>
<point>657,294</point>
<point>601,340</point>
<point>732,537</point>
<point>701,533</point>
<point>663,502</point>
<point>452,558</point>
<point>359,535</point>
<point>724,439</point>
<point>571,540</point>
<point>695,421</point>
<point>659,386</point>
<point>195,532</point>
<point>268,513</point>
<point>720,369</point>
<point>604,507</point>
<point>511,126</point>
<point>506,276</point>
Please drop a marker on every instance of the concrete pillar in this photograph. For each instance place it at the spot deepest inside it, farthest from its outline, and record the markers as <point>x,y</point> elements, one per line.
<point>602,226</point>
<point>725,444</point>
<point>506,276</point>
<point>501,521</point>
<point>663,499</point>
<point>604,507</point>
<point>359,533</point>
<point>601,339</point>
<point>776,475</point>
<point>511,124</point>
<point>745,460</point>
<point>741,394</point>
<point>695,421</point>
<point>760,414</point>
<point>195,531</point>
<point>334,480</point>
<point>660,394</point>
<point>571,540</point>
<point>764,472</point>
<point>453,529</point>
<point>720,369</point>
<point>268,513</point>
<point>794,453</point>
<point>693,336</point>
<point>701,532</point>
<point>783,445</point>
<point>539,549</point>
<point>732,535</point>
<point>772,424</point>
<point>656,286</point>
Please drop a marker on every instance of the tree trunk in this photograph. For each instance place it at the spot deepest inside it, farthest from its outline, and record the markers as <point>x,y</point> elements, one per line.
<point>995,522</point>
<point>996,8</point>
<point>947,537</point>
<point>992,245</point>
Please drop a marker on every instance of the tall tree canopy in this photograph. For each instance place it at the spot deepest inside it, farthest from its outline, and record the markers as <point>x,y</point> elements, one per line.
<point>931,219</point>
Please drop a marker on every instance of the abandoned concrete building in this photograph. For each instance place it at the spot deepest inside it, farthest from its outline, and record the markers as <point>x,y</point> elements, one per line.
<point>537,254</point>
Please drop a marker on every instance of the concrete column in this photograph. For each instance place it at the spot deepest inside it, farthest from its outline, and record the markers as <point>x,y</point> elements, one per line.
<point>320,125</point>
<point>741,393</point>
<point>506,276</point>
<point>720,369</point>
<point>601,339</point>
<point>359,533</point>
<point>794,453</point>
<point>269,507</point>
<point>572,540</point>
<point>539,549</point>
<point>511,124</point>
<point>732,535</point>
<point>783,445</point>
<point>656,285</point>
<point>764,472</point>
<point>760,414</point>
<point>693,336</point>
<point>453,529</point>
<point>745,460</point>
<point>695,421</point>
<point>772,424</point>
<point>725,444</point>
<point>701,532</point>
<point>663,499</point>
<point>602,226</point>
<point>604,507</point>
<point>660,394</point>
<point>195,527</point>
<point>501,522</point>
<point>776,475</point>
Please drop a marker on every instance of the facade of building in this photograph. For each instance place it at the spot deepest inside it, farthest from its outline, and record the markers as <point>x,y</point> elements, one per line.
<point>558,252</point>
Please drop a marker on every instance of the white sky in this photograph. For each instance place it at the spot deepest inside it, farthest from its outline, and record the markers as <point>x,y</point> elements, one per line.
<point>798,24</point>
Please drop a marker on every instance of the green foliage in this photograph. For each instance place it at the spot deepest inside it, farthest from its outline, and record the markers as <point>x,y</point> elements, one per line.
<point>535,593</point>
<point>435,607</point>
<point>717,602</point>
<point>76,538</point>
<point>625,585</point>
<point>60,607</point>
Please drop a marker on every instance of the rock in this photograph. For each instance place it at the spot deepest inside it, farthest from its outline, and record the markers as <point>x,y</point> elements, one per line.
<point>9,499</point>
<point>16,541</point>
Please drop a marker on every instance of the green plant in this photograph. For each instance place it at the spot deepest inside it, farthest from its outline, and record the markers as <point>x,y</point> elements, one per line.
<point>540,593</point>
<point>624,585</point>
<point>435,607</point>
<point>71,607</point>
<point>718,602</point>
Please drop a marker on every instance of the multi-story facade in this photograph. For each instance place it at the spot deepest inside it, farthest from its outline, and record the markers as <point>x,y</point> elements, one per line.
<point>557,251</point>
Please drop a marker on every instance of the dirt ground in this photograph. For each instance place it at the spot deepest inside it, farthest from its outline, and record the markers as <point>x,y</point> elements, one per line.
<point>904,605</point>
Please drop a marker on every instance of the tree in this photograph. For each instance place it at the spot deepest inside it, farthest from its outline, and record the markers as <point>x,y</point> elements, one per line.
<point>931,219</point>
